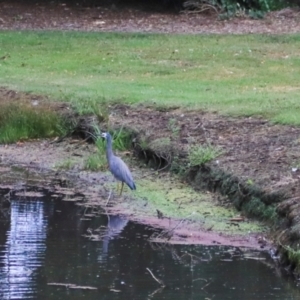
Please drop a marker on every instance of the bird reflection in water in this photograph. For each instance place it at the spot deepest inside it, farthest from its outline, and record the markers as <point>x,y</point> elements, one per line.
<point>115,226</point>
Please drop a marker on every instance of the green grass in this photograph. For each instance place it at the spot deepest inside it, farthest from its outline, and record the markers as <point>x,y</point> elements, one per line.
<point>96,162</point>
<point>256,208</point>
<point>232,74</point>
<point>22,121</point>
<point>121,142</point>
<point>199,155</point>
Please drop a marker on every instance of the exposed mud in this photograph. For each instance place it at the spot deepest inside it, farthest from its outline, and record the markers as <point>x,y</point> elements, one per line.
<point>253,149</point>
<point>30,167</point>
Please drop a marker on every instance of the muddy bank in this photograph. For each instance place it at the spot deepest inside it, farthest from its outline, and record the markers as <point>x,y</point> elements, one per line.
<point>185,216</point>
<point>33,167</point>
<point>258,170</point>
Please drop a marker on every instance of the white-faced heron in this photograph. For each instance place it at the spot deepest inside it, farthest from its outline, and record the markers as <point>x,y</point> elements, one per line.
<point>117,166</point>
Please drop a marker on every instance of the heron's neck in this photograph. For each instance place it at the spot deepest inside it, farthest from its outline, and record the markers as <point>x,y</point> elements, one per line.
<point>109,152</point>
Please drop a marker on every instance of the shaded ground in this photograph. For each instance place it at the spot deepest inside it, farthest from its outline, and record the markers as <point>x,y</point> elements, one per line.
<point>64,16</point>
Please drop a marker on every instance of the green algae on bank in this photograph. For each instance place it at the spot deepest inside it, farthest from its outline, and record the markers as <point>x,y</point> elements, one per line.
<point>174,199</point>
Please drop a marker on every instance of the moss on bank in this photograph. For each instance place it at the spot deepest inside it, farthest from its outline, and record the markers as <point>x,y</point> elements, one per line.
<point>247,198</point>
<point>165,193</point>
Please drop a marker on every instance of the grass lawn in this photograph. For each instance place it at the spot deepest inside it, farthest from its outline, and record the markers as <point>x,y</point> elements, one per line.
<point>232,74</point>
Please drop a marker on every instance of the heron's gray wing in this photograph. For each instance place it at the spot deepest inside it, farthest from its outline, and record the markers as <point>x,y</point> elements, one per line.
<point>121,171</point>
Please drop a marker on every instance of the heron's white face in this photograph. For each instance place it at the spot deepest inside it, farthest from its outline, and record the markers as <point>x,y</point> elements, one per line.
<point>104,135</point>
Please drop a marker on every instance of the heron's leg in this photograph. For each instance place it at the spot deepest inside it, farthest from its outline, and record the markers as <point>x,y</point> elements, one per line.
<point>110,192</point>
<point>117,186</point>
<point>121,188</point>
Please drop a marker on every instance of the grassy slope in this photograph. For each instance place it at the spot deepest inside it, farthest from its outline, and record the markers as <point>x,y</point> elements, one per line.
<point>240,75</point>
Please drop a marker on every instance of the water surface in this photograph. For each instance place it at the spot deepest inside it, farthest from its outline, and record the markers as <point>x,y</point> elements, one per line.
<point>46,242</point>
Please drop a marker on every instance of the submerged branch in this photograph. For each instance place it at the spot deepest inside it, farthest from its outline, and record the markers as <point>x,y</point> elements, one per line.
<point>156,279</point>
<point>72,286</point>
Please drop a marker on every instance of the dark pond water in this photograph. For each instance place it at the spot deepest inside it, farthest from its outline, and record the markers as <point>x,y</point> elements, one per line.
<point>42,244</point>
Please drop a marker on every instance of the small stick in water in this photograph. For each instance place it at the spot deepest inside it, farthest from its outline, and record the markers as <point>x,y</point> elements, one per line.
<point>156,279</point>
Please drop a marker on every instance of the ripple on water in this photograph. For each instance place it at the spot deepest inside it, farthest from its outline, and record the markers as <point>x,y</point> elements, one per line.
<point>24,250</point>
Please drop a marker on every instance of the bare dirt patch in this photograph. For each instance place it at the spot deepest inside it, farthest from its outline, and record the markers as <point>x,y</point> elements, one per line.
<point>254,150</point>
